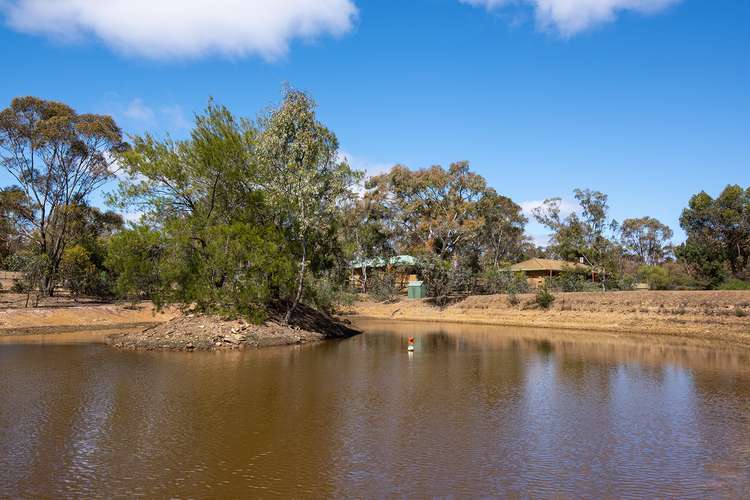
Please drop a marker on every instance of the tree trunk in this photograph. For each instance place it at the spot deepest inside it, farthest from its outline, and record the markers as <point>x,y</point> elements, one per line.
<point>300,283</point>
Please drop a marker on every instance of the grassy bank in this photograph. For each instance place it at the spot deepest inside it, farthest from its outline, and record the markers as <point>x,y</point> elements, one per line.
<point>716,315</point>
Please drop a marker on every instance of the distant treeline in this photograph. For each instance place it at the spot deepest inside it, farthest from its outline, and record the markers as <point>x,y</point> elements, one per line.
<point>246,212</point>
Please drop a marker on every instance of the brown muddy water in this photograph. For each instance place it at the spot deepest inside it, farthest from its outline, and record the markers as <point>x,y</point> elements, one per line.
<point>475,411</point>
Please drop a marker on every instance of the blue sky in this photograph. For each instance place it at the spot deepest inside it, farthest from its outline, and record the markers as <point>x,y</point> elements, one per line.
<point>646,100</point>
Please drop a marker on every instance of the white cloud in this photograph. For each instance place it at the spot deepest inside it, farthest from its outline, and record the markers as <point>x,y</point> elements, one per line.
<point>136,110</point>
<point>570,17</point>
<point>162,29</point>
<point>136,116</point>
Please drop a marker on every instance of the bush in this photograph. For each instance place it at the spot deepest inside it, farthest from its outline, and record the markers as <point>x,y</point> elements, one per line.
<point>544,298</point>
<point>657,277</point>
<point>573,279</point>
<point>498,280</point>
<point>78,272</point>
<point>735,284</point>
<point>327,293</point>
<point>437,274</point>
<point>383,287</point>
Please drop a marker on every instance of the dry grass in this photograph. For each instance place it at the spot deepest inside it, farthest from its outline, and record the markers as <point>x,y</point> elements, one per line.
<point>717,315</point>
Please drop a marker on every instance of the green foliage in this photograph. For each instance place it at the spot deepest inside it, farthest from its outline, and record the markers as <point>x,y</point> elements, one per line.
<point>134,257</point>
<point>302,177</point>
<point>718,231</point>
<point>544,298</point>
<point>247,213</point>
<point>657,277</point>
<point>58,157</point>
<point>383,286</point>
<point>588,233</point>
<point>328,293</point>
<point>502,280</point>
<point>647,239</point>
<point>573,279</point>
<point>78,273</point>
<point>706,262</point>
<point>735,284</point>
<point>438,275</point>
<point>236,269</point>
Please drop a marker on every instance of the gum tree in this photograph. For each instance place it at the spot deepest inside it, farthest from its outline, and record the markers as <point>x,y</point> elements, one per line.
<point>58,158</point>
<point>302,176</point>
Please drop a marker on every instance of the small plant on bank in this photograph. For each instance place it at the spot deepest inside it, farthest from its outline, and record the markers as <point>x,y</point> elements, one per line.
<point>513,299</point>
<point>740,313</point>
<point>544,298</point>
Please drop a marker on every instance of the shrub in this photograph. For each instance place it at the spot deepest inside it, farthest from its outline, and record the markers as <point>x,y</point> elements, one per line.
<point>544,298</point>
<point>739,312</point>
<point>572,279</point>
<point>657,277</point>
<point>437,274</point>
<point>327,293</point>
<point>78,272</point>
<point>513,299</point>
<point>735,284</point>
<point>383,287</point>
<point>498,280</point>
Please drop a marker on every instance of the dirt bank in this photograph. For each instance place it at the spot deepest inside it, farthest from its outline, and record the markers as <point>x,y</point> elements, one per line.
<point>720,315</point>
<point>66,316</point>
<point>205,332</point>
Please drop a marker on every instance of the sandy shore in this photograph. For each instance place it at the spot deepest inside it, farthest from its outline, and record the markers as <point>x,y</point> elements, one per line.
<point>719,317</point>
<point>144,328</point>
<point>722,316</point>
<point>67,317</point>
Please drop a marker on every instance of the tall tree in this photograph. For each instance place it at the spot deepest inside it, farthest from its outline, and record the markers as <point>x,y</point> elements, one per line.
<point>58,157</point>
<point>302,176</point>
<point>647,239</point>
<point>433,210</point>
<point>588,236</point>
<point>218,246</point>
<point>502,233</point>
<point>718,228</point>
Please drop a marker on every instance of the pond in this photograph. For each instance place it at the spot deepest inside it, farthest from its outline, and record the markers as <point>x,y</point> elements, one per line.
<point>473,411</point>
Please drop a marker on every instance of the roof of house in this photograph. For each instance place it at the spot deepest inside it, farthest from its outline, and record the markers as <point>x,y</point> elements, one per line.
<point>546,265</point>
<point>398,260</point>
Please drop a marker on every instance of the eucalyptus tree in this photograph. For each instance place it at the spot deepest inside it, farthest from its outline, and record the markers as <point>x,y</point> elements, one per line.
<point>58,158</point>
<point>588,235</point>
<point>433,210</point>
<point>303,177</point>
<point>718,233</point>
<point>647,239</point>
<point>502,233</point>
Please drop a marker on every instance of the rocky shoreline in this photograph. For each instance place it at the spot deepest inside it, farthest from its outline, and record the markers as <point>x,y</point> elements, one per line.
<point>198,332</point>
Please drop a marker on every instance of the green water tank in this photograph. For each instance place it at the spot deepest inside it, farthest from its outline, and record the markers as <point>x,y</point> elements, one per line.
<point>416,290</point>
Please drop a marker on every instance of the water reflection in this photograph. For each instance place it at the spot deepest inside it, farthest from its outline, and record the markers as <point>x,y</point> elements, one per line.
<point>474,411</point>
